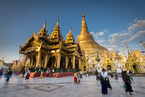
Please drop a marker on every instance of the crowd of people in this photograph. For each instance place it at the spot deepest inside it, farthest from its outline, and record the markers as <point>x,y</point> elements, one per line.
<point>127,78</point>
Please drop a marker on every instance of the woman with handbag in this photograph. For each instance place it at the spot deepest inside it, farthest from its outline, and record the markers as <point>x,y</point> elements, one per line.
<point>103,82</point>
<point>127,83</point>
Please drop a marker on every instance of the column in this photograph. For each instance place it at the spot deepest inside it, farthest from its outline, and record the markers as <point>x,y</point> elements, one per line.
<point>66,65</point>
<point>46,61</point>
<point>24,60</point>
<point>38,61</point>
<point>73,64</point>
<point>31,64</point>
<point>58,62</point>
<point>79,64</point>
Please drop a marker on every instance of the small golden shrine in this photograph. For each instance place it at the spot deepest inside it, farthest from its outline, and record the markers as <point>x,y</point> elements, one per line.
<point>84,65</point>
<point>51,51</point>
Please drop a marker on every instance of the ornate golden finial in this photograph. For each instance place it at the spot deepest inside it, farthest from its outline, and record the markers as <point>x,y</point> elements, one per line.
<point>44,26</point>
<point>83,15</point>
<point>70,30</point>
<point>129,55</point>
<point>57,22</point>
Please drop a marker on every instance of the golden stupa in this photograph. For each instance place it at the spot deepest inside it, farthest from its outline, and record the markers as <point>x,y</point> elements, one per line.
<point>91,47</point>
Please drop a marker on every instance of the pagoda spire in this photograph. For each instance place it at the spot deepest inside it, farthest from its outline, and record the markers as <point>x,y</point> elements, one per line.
<point>84,25</point>
<point>70,30</point>
<point>44,26</point>
<point>129,55</point>
<point>57,24</point>
<point>114,55</point>
<point>124,58</point>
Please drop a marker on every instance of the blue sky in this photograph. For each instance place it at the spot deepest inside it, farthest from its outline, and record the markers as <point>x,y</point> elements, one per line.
<point>114,24</point>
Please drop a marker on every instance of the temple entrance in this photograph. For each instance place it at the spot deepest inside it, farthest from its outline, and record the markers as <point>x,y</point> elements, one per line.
<point>135,69</point>
<point>62,64</point>
<point>108,67</point>
<point>77,67</point>
<point>51,62</point>
<point>84,68</point>
<point>69,65</point>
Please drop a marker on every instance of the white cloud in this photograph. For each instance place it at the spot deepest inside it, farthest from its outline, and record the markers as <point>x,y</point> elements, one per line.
<point>138,35</point>
<point>101,33</point>
<point>105,31</point>
<point>139,45</point>
<point>139,24</point>
<point>101,40</point>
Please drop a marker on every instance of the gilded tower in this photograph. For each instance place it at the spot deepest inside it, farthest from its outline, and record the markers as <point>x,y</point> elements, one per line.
<point>90,46</point>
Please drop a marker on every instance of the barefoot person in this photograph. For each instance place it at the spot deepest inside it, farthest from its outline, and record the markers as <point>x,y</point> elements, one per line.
<point>75,78</point>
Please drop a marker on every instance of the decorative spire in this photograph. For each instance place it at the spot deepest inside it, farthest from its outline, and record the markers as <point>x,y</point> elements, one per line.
<point>44,26</point>
<point>114,55</point>
<point>84,25</point>
<point>57,22</point>
<point>70,30</point>
<point>124,58</point>
<point>129,55</point>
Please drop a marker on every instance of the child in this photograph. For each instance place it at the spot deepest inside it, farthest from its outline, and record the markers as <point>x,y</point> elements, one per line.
<point>78,77</point>
<point>41,76</point>
<point>75,78</point>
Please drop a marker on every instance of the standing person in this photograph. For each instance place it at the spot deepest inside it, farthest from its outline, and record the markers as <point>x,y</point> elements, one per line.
<point>1,73</point>
<point>116,75</point>
<point>108,81</point>
<point>127,83</point>
<point>131,75</point>
<point>23,73</point>
<point>96,73</point>
<point>111,74</point>
<point>28,74</point>
<point>75,78</point>
<point>41,75</point>
<point>78,77</point>
<point>81,74</point>
<point>9,74</point>
<point>103,82</point>
<point>53,71</point>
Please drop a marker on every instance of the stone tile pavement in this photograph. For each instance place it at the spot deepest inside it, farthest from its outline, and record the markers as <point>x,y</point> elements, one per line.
<point>64,87</point>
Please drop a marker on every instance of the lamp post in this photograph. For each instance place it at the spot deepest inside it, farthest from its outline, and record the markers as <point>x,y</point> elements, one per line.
<point>143,44</point>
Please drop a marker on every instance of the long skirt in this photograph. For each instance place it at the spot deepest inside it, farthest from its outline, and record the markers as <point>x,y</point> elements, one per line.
<point>108,84</point>
<point>128,87</point>
<point>48,74</point>
<point>41,76</point>
<point>8,78</point>
<point>97,78</point>
<point>75,79</point>
<point>104,87</point>
<point>27,76</point>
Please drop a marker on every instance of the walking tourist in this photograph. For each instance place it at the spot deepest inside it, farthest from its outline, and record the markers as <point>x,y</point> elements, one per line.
<point>81,74</point>
<point>9,74</point>
<point>41,75</point>
<point>1,73</point>
<point>131,75</point>
<point>103,82</point>
<point>111,74</point>
<point>78,77</point>
<point>75,78</point>
<point>108,81</point>
<point>23,73</point>
<point>127,83</point>
<point>96,73</point>
<point>28,74</point>
<point>116,75</point>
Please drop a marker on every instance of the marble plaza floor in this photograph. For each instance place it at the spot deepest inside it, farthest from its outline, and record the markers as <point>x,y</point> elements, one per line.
<point>64,87</point>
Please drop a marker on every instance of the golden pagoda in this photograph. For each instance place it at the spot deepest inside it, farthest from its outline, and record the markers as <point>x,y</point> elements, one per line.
<point>51,51</point>
<point>90,46</point>
<point>132,64</point>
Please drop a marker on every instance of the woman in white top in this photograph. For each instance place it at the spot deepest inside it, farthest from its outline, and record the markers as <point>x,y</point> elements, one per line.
<point>103,83</point>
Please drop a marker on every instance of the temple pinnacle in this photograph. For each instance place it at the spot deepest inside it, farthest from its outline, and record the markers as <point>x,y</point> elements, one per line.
<point>70,30</point>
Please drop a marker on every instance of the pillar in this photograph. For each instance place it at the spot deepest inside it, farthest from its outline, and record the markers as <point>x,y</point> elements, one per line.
<point>58,62</point>
<point>79,64</point>
<point>24,60</point>
<point>46,61</point>
<point>38,61</point>
<point>66,66</point>
<point>31,63</point>
<point>73,63</point>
